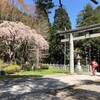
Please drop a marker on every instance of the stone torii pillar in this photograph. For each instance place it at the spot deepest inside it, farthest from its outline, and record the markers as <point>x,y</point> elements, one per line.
<point>71,54</point>
<point>71,40</point>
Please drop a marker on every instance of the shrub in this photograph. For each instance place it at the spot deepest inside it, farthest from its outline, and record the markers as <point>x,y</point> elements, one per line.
<point>1,61</point>
<point>27,67</point>
<point>1,71</point>
<point>37,67</point>
<point>44,66</point>
<point>3,65</point>
<point>12,69</point>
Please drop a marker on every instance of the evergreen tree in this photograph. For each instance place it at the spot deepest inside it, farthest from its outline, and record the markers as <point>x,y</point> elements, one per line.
<point>56,54</point>
<point>43,7</point>
<point>89,16</point>
<point>42,20</point>
<point>61,21</point>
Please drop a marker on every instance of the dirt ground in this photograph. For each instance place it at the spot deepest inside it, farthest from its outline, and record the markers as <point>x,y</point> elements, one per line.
<point>90,91</point>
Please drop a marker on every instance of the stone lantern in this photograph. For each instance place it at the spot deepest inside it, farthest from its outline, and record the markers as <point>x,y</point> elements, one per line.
<point>78,67</point>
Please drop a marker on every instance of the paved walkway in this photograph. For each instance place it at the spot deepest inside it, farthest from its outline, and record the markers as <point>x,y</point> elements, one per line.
<point>38,88</point>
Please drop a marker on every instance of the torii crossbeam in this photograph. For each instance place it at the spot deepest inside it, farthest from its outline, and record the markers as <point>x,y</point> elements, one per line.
<point>71,39</point>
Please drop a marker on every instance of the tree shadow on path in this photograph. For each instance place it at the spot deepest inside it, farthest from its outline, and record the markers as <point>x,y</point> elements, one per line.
<point>81,92</point>
<point>29,88</point>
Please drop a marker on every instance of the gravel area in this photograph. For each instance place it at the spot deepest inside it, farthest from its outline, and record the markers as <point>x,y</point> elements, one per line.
<point>90,91</point>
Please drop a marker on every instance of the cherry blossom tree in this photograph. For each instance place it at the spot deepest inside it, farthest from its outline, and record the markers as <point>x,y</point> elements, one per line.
<point>13,34</point>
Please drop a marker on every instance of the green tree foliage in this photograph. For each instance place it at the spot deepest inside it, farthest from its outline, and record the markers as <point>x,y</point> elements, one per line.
<point>42,21</point>
<point>89,16</point>
<point>43,6</point>
<point>25,54</point>
<point>61,21</point>
<point>56,55</point>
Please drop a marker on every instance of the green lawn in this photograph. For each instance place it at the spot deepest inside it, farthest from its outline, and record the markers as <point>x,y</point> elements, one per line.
<point>43,72</point>
<point>34,73</point>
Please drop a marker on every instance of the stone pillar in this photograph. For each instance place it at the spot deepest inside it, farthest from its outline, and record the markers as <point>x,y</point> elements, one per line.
<point>65,53</point>
<point>71,54</point>
<point>37,56</point>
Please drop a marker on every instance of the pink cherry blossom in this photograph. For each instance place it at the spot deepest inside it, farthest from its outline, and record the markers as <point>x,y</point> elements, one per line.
<point>21,32</point>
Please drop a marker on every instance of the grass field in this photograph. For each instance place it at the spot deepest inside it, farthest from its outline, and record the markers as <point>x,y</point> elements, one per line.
<point>43,72</point>
<point>34,73</point>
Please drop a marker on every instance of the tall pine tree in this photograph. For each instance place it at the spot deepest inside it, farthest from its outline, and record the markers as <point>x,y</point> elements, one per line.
<point>43,7</point>
<point>61,21</point>
<point>42,20</point>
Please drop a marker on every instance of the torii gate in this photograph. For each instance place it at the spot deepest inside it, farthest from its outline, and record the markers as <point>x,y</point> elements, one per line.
<point>71,39</point>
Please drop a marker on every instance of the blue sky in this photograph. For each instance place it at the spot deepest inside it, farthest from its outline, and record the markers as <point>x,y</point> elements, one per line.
<point>73,7</point>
